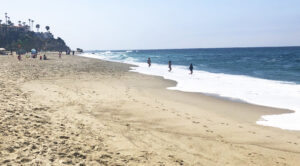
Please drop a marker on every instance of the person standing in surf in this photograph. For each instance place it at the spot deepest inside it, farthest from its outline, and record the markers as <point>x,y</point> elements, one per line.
<point>170,66</point>
<point>191,68</point>
<point>149,62</point>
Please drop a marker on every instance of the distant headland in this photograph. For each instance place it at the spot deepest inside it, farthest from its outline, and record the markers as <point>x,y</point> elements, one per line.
<point>21,36</point>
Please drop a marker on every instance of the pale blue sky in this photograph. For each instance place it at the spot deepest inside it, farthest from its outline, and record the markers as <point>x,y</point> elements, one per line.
<point>150,24</point>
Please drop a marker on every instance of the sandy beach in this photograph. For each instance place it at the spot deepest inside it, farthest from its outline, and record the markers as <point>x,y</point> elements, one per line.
<point>81,111</point>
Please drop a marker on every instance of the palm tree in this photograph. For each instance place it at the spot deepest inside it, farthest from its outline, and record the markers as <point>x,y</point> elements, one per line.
<point>8,21</point>
<point>29,20</point>
<point>32,23</point>
<point>24,23</point>
<point>6,18</point>
<point>20,23</point>
<point>47,28</point>
<point>37,27</point>
<point>0,21</point>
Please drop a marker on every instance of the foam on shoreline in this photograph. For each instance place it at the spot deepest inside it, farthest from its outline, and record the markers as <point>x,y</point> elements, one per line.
<point>253,90</point>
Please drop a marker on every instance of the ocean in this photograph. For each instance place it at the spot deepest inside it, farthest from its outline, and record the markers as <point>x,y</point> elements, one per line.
<point>268,76</point>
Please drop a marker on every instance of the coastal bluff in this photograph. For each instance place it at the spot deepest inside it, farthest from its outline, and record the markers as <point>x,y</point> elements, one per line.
<point>21,38</point>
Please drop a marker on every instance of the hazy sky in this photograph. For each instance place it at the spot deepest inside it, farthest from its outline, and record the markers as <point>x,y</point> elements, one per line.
<point>148,24</point>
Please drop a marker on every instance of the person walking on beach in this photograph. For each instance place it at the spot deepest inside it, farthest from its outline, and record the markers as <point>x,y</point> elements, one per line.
<point>59,54</point>
<point>149,62</point>
<point>170,66</point>
<point>191,68</point>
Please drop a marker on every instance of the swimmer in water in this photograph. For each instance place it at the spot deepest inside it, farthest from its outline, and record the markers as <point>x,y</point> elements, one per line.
<point>149,62</point>
<point>170,66</point>
<point>191,68</point>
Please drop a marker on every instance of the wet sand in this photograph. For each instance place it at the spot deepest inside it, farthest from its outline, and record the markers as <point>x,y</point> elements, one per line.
<point>76,110</point>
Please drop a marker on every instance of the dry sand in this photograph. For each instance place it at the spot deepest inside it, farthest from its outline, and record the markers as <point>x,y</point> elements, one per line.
<point>80,111</point>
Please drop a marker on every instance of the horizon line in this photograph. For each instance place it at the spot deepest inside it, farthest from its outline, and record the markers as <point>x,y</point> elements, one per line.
<point>190,48</point>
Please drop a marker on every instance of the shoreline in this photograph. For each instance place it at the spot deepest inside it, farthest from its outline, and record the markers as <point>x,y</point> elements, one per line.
<point>78,110</point>
<point>258,110</point>
<point>269,110</point>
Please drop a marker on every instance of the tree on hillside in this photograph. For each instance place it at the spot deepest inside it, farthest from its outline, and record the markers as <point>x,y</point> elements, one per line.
<point>37,27</point>
<point>9,23</point>
<point>47,28</point>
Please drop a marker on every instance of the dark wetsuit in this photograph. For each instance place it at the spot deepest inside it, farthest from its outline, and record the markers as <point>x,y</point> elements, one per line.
<point>191,68</point>
<point>149,62</point>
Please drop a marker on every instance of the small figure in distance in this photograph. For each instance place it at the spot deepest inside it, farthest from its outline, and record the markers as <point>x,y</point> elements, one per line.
<point>149,62</point>
<point>41,58</point>
<point>191,68</point>
<point>73,52</point>
<point>45,57</point>
<point>59,54</point>
<point>19,57</point>
<point>170,66</point>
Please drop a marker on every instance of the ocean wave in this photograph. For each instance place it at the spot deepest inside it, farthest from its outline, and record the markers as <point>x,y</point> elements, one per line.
<point>107,52</point>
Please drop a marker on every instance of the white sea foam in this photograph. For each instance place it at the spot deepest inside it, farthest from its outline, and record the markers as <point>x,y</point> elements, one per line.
<point>249,89</point>
<point>107,52</point>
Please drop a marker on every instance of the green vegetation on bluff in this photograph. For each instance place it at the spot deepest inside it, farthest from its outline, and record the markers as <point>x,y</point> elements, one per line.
<point>22,36</point>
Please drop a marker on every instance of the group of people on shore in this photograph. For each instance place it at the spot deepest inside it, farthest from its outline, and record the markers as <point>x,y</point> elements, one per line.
<point>34,54</point>
<point>170,65</point>
<point>68,52</point>
<point>44,57</point>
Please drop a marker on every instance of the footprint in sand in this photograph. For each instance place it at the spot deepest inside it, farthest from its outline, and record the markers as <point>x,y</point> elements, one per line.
<point>292,142</point>
<point>219,136</point>
<point>209,131</point>
<point>164,109</point>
